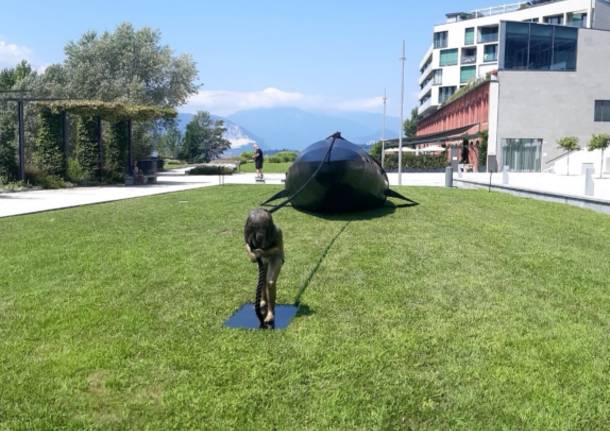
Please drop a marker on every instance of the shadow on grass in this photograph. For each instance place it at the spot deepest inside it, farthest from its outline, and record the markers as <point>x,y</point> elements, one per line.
<point>304,311</point>
<point>387,209</point>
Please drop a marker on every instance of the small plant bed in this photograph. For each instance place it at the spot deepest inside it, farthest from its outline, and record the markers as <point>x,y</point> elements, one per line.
<point>211,170</point>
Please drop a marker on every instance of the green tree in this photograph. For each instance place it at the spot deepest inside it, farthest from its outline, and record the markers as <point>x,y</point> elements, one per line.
<point>203,139</point>
<point>375,151</point>
<point>569,144</point>
<point>410,125</point>
<point>170,144</point>
<point>49,153</point>
<point>11,79</point>
<point>600,142</point>
<point>127,65</point>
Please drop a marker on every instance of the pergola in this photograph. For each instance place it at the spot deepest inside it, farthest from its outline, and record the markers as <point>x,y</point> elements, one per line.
<point>100,110</point>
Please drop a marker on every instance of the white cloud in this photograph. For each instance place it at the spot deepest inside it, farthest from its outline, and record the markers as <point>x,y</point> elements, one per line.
<point>11,54</point>
<point>224,102</point>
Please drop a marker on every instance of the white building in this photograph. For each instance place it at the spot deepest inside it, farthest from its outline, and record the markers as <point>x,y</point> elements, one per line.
<point>467,45</point>
<point>543,72</point>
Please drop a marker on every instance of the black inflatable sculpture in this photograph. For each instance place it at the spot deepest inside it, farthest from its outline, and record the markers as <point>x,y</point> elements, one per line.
<point>334,176</point>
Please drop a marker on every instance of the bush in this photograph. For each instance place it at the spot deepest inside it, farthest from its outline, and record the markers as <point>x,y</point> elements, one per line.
<point>417,162</point>
<point>212,170</point>
<point>37,177</point>
<point>74,172</point>
<point>284,157</point>
<point>274,159</point>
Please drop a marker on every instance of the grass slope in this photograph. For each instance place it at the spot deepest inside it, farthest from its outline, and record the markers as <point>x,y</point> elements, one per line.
<point>470,311</point>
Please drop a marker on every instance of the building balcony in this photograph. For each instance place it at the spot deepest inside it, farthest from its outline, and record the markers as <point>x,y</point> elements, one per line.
<point>496,10</point>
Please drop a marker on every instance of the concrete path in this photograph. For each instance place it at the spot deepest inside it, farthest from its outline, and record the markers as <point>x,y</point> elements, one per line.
<point>33,201</point>
<point>573,185</point>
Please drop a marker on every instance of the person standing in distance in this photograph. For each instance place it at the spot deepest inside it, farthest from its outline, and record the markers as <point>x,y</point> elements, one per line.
<point>258,162</point>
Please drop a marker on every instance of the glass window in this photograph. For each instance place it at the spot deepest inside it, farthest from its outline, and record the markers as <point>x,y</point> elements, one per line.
<point>554,19</point>
<point>488,34</point>
<point>490,53</point>
<point>517,38</point>
<point>441,39</point>
<point>577,19</point>
<point>467,73</point>
<point>469,55</point>
<point>541,47</point>
<point>449,57</point>
<point>602,110</point>
<point>445,93</point>
<point>564,49</point>
<point>522,155</point>
<point>469,36</point>
<point>531,20</point>
<point>437,78</point>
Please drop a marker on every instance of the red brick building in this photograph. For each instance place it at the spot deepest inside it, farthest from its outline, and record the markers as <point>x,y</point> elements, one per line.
<point>457,126</point>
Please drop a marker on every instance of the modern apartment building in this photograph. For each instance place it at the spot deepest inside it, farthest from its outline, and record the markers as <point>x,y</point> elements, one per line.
<point>532,72</point>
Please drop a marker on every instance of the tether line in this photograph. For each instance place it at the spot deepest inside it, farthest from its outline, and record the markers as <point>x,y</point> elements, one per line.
<point>314,270</point>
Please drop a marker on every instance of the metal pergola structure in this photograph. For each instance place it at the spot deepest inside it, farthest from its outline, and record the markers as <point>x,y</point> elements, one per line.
<point>22,97</point>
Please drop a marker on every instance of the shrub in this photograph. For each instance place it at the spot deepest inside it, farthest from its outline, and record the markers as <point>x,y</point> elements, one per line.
<point>49,153</point>
<point>285,156</point>
<point>417,162</point>
<point>86,146</point>
<point>74,172</point>
<point>274,159</point>
<point>37,177</point>
<point>246,156</point>
<point>212,170</point>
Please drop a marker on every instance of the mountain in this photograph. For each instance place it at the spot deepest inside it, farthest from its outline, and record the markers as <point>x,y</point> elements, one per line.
<point>293,128</point>
<point>238,136</point>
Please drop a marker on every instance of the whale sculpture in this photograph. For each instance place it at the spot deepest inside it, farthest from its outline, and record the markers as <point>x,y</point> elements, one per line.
<point>335,176</point>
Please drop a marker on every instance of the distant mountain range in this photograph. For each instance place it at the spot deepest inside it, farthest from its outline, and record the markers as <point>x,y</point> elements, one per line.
<point>295,129</point>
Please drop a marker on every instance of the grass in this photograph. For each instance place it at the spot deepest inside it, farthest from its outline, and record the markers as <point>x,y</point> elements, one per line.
<point>268,168</point>
<point>474,310</point>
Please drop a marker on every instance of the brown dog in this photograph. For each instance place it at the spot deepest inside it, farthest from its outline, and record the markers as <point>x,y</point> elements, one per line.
<point>264,240</point>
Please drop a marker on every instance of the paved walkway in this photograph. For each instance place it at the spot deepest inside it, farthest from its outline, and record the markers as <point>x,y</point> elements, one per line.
<point>43,200</point>
<point>33,201</point>
<point>573,185</point>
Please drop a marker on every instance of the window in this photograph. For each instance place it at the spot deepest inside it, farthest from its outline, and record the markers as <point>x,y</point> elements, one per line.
<point>426,64</point>
<point>564,49</point>
<point>531,20</point>
<point>517,37</point>
<point>467,73</point>
<point>539,47</point>
<point>602,110</point>
<point>522,155</point>
<point>469,36</point>
<point>425,99</point>
<point>449,57</point>
<point>445,93</point>
<point>488,34</point>
<point>469,55</point>
<point>490,53</point>
<point>437,78</point>
<point>577,20</point>
<point>554,19</point>
<point>441,39</point>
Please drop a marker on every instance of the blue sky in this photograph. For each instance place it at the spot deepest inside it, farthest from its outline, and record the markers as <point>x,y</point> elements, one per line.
<point>333,54</point>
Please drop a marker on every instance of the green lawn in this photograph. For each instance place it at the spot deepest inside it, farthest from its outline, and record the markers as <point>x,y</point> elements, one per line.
<point>268,168</point>
<point>474,310</point>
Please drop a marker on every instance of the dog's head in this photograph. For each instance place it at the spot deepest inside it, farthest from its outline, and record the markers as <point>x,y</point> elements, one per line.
<point>260,231</point>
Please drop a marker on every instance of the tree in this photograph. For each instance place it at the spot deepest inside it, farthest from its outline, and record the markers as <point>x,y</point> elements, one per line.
<point>203,139</point>
<point>170,144</point>
<point>600,142</point>
<point>569,144</point>
<point>11,79</point>
<point>410,125</point>
<point>375,151</point>
<point>127,65</point>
